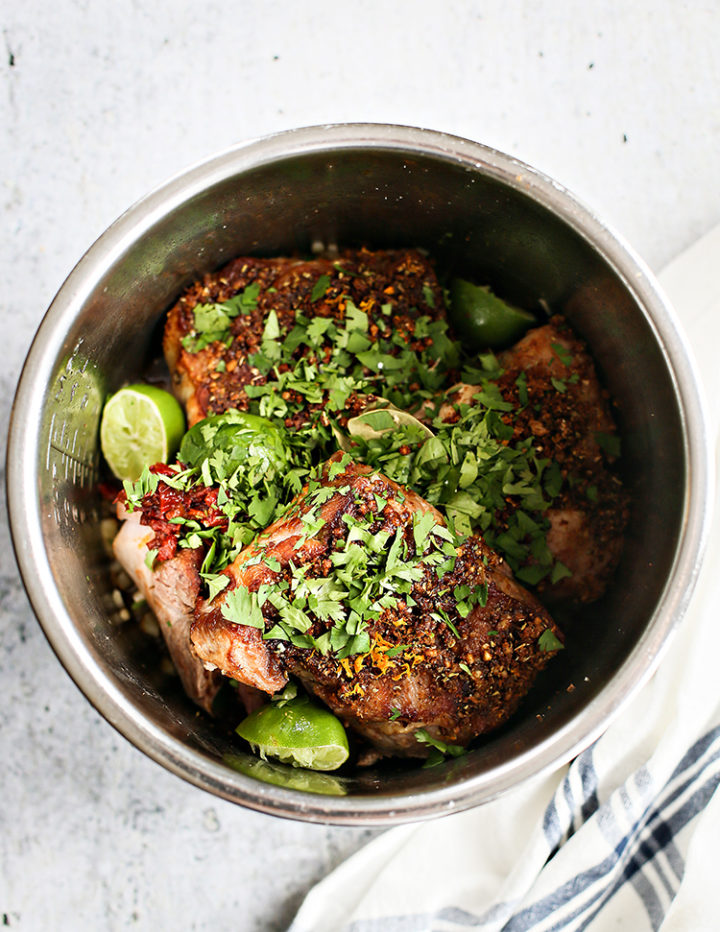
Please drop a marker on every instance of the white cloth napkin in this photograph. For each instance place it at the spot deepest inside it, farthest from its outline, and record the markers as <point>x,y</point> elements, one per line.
<point>627,836</point>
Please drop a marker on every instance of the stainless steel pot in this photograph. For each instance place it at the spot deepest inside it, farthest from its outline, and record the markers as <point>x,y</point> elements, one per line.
<point>479,213</point>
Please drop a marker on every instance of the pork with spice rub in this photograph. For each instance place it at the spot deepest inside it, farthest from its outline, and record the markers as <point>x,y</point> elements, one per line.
<point>169,576</point>
<point>171,590</point>
<point>549,380</point>
<point>218,338</point>
<point>362,593</point>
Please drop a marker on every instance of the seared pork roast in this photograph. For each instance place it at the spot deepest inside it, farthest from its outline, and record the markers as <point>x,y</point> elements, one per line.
<point>560,407</point>
<point>388,577</point>
<point>216,336</point>
<point>360,592</point>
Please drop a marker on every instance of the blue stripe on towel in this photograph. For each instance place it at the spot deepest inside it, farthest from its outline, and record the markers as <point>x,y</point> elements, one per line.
<point>557,832</point>
<point>570,802</point>
<point>551,826</point>
<point>589,780</point>
<point>696,751</point>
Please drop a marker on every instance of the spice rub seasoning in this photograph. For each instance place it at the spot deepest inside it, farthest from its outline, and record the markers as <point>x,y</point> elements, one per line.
<point>219,336</point>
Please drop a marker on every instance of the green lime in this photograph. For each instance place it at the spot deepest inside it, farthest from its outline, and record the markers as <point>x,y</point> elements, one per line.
<point>293,778</point>
<point>141,425</point>
<point>297,732</point>
<point>482,320</point>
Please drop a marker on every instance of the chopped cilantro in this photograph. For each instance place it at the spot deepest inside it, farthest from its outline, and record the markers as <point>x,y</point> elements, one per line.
<point>212,321</point>
<point>355,319</point>
<point>609,443</point>
<point>319,288</point>
<point>521,382</point>
<point>558,572</point>
<point>396,651</point>
<point>272,327</point>
<point>343,271</point>
<point>423,525</point>
<point>532,574</point>
<point>241,607</point>
<point>562,353</point>
<point>145,484</point>
<point>150,558</point>
<point>216,583</point>
<point>428,296</point>
<point>548,641</point>
<point>443,750</point>
<point>471,468</point>
<point>317,328</point>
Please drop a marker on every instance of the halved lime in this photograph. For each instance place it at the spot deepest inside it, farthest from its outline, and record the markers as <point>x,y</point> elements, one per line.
<point>293,778</point>
<point>297,732</point>
<point>141,425</point>
<point>482,320</point>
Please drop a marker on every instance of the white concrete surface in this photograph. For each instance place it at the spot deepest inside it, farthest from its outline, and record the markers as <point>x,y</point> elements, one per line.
<point>103,100</point>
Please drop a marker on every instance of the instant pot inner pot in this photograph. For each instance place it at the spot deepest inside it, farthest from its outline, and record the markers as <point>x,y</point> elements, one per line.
<point>475,225</point>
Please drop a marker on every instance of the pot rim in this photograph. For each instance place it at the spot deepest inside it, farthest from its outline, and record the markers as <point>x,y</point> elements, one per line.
<point>100,688</point>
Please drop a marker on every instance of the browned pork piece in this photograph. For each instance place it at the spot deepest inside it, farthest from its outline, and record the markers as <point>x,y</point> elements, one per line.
<point>210,375</point>
<point>171,590</point>
<point>567,412</point>
<point>360,592</point>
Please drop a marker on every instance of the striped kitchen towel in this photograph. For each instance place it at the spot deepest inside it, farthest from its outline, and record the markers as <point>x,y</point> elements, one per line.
<point>627,836</point>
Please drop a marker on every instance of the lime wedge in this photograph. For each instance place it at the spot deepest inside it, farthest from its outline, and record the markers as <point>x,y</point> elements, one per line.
<point>297,732</point>
<point>141,425</point>
<point>482,320</point>
<point>293,778</point>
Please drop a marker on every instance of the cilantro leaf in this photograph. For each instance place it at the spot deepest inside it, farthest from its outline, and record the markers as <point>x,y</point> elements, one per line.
<point>319,288</point>
<point>317,328</point>
<point>422,526</point>
<point>241,607</point>
<point>548,641</point>
<point>558,572</point>
<point>428,296</point>
<point>445,750</point>
<point>272,327</point>
<point>562,353</point>
<point>150,559</point>
<point>212,321</point>
<point>216,583</point>
<point>609,443</point>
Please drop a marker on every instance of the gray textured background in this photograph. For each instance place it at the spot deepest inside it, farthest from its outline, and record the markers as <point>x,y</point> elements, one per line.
<point>101,102</point>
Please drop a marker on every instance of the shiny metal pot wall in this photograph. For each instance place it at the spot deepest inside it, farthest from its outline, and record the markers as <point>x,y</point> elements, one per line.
<point>479,213</point>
